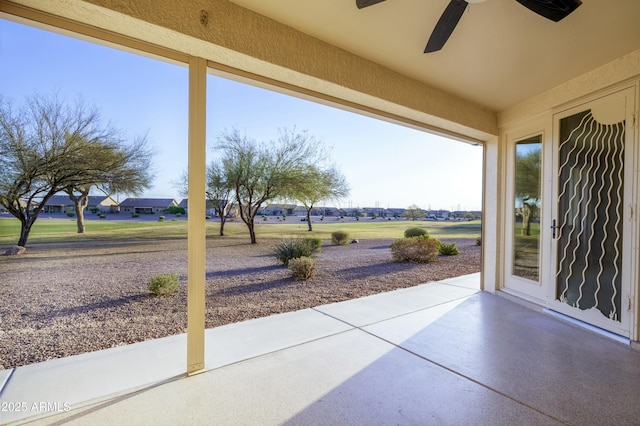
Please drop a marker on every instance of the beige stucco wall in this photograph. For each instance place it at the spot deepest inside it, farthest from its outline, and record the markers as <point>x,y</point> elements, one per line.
<point>241,39</point>
<point>626,68</point>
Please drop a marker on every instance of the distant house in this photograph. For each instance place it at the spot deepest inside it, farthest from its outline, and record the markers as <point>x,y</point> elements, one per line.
<point>59,204</point>
<point>280,210</point>
<point>102,204</point>
<point>353,212</point>
<point>300,211</point>
<point>375,211</point>
<point>395,212</point>
<point>147,205</point>
<point>331,211</point>
<point>210,207</point>
<point>97,203</point>
<point>22,203</point>
<point>439,215</point>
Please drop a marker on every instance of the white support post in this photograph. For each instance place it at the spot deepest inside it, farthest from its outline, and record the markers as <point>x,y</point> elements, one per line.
<point>491,214</point>
<point>196,225</point>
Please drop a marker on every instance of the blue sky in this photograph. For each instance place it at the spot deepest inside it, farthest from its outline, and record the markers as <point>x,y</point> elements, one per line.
<point>385,164</point>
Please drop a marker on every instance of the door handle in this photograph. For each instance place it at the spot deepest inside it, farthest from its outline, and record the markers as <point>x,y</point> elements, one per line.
<point>553,229</point>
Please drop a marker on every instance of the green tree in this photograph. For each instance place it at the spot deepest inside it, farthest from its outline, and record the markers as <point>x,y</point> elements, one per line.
<point>319,184</point>
<point>259,172</point>
<point>413,212</point>
<point>527,185</point>
<point>48,146</point>
<point>219,192</point>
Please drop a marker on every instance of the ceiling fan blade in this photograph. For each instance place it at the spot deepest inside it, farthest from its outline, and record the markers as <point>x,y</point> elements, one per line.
<point>551,9</point>
<point>446,24</point>
<point>367,3</point>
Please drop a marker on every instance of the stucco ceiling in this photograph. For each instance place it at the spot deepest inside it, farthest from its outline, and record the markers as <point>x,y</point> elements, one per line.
<point>499,55</point>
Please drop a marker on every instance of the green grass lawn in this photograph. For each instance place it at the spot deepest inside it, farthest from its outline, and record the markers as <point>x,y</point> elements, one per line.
<point>59,230</point>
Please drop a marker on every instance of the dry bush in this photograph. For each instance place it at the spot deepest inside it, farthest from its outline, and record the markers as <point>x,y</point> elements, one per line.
<point>415,249</point>
<point>302,268</point>
<point>164,284</point>
<point>339,238</point>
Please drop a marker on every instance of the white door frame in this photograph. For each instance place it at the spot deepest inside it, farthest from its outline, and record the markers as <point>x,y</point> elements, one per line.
<point>534,291</point>
<point>628,309</point>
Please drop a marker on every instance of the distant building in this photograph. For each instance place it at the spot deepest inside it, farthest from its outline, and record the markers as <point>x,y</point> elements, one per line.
<point>97,203</point>
<point>210,209</point>
<point>439,215</point>
<point>147,205</point>
<point>393,212</point>
<point>375,211</point>
<point>280,210</point>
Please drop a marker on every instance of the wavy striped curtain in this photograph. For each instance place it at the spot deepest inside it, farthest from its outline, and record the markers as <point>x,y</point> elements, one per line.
<point>590,208</point>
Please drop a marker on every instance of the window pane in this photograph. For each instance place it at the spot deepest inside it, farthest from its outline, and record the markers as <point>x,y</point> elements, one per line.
<point>526,233</point>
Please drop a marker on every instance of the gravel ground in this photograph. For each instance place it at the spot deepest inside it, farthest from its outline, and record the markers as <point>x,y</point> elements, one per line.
<point>64,299</point>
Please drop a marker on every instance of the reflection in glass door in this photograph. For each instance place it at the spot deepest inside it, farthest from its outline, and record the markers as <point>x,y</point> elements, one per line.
<point>527,207</point>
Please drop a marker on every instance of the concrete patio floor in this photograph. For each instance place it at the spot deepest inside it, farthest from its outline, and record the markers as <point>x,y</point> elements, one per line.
<point>438,353</point>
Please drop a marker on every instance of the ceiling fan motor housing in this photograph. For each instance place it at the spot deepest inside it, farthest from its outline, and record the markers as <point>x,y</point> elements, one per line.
<point>554,10</point>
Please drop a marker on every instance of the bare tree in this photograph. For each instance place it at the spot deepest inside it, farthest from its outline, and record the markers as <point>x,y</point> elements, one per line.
<point>48,146</point>
<point>112,166</point>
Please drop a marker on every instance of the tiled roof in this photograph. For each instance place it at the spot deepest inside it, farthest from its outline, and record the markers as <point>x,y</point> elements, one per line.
<point>148,202</point>
<point>64,200</point>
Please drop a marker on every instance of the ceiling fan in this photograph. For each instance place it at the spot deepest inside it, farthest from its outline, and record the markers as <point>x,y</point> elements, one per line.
<point>554,10</point>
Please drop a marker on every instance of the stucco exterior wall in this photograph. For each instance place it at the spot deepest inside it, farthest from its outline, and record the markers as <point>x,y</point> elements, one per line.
<point>618,71</point>
<point>225,33</point>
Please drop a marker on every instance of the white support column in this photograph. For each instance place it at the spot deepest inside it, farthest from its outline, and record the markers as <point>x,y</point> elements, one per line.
<point>491,214</point>
<point>196,225</point>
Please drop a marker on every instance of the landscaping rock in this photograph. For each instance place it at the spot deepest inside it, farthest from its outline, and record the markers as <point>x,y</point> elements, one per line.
<point>15,250</point>
<point>85,295</point>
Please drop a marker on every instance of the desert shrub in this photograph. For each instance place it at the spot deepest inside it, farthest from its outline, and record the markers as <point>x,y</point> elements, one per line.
<point>70,214</point>
<point>163,284</point>
<point>315,243</point>
<point>161,218</point>
<point>175,210</point>
<point>416,232</point>
<point>339,238</point>
<point>302,268</point>
<point>207,217</point>
<point>135,215</point>
<point>479,241</point>
<point>448,249</point>
<point>293,248</point>
<point>101,216</point>
<point>415,249</point>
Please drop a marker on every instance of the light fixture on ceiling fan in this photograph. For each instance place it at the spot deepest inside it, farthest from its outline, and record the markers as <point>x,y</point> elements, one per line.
<point>554,10</point>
